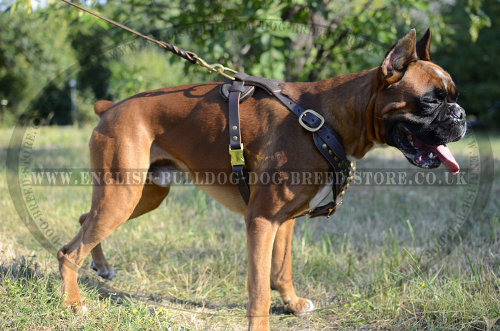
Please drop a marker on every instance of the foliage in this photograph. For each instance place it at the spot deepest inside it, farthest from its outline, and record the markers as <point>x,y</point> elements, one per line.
<point>472,58</point>
<point>297,40</point>
<point>30,58</point>
<point>291,40</point>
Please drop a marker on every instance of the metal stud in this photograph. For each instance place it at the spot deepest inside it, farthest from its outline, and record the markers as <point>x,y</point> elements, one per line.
<point>330,152</point>
<point>336,158</point>
<point>346,186</point>
<point>324,146</point>
<point>235,127</point>
<point>235,138</point>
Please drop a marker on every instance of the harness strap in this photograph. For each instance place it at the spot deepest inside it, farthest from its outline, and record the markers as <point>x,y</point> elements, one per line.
<point>326,140</point>
<point>309,119</point>
<point>235,145</point>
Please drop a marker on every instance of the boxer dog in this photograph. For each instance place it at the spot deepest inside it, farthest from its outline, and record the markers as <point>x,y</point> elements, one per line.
<point>407,102</point>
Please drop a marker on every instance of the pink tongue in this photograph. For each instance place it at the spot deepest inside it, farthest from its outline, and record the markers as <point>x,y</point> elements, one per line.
<point>447,159</point>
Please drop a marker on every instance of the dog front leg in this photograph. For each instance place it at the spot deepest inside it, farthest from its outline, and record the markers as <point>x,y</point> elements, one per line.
<point>260,238</point>
<point>281,271</point>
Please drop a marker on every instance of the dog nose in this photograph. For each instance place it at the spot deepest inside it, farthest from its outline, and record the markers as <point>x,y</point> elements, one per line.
<point>456,112</point>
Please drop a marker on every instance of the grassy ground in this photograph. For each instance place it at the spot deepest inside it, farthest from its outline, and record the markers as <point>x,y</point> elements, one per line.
<point>183,266</point>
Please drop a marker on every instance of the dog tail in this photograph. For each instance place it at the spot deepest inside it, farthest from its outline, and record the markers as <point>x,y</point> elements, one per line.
<point>101,106</point>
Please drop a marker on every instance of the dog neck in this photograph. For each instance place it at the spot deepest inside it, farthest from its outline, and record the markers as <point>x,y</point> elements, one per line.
<point>346,102</point>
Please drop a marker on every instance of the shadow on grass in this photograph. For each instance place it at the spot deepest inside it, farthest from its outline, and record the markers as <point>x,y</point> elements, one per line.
<point>105,290</point>
<point>21,268</point>
<point>25,269</point>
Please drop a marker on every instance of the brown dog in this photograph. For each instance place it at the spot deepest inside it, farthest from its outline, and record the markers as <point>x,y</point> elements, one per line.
<point>407,102</point>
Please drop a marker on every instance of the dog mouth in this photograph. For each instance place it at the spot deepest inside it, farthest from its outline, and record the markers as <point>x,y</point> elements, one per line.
<point>423,155</point>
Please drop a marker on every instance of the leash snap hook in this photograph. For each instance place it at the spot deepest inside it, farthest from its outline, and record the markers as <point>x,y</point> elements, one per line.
<point>217,67</point>
<point>306,125</point>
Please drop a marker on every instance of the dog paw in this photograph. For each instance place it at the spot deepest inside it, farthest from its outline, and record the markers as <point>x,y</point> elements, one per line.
<point>105,272</point>
<point>75,306</point>
<point>79,309</point>
<point>300,307</point>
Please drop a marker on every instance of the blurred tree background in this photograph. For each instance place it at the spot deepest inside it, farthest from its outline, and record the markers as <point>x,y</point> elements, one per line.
<point>45,44</point>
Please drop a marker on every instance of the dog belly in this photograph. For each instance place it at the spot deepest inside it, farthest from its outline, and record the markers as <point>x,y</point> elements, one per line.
<point>227,195</point>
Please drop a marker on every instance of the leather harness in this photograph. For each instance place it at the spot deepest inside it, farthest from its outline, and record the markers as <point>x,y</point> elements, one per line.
<point>325,138</point>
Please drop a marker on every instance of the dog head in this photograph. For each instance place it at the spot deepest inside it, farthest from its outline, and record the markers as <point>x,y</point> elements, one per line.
<point>417,104</point>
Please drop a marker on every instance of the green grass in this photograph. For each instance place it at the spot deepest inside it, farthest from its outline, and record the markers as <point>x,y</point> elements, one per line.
<point>184,264</point>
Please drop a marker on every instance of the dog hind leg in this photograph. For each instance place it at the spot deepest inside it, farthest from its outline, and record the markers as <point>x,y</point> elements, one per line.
<point>152,196</point>
<point>99,224</point>
<point>113,202</point>
<point>99,263</point>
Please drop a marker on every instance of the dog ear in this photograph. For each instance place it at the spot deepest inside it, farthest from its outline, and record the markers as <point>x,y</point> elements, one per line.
<point>423,46</point>
<point>399,56</point>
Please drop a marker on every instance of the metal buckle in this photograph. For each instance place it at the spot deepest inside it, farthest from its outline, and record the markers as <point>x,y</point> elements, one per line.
<point>307,127</point>
<point>237,156</point>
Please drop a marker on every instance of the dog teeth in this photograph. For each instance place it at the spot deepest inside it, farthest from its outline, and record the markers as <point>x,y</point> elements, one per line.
<point>432,156</point>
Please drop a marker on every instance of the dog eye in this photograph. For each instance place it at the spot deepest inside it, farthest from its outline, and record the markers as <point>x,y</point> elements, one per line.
<point>441,94</point>
<point>431,101</point>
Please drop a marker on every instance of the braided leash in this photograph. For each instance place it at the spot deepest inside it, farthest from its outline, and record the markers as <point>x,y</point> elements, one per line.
<point>192,57</point>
